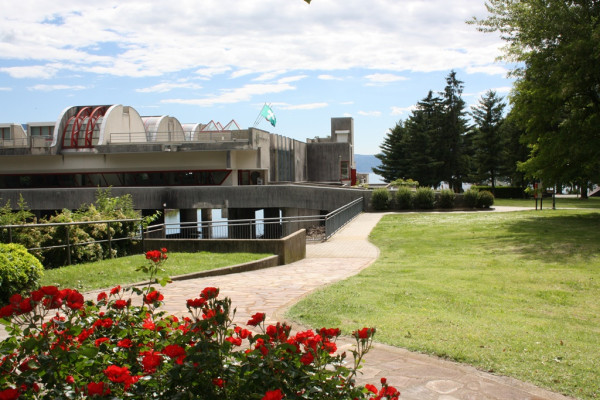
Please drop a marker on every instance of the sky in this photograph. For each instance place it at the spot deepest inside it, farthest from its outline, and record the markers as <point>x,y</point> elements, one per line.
<point>203,60</point>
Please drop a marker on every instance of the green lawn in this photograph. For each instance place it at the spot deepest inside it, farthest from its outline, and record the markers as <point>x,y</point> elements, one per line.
<point>121,271</point>
<point>514,293</point>
<point>561,202</point>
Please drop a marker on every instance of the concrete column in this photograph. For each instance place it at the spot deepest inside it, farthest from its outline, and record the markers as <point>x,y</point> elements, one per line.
<point>241,231</point>
<point>186,216</point>
<point>272,230</point>
<point>206,215</point>
<point>291,227</point>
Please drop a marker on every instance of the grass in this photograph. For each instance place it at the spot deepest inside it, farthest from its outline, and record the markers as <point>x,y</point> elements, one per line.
<point>512,293</point>
<point>121,271</point>
<point>561,202</point>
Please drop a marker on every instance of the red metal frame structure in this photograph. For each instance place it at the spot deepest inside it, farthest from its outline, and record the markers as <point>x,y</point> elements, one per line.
<point>78,120</point>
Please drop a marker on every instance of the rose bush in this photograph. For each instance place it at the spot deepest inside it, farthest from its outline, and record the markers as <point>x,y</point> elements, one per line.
<point>64,347</point>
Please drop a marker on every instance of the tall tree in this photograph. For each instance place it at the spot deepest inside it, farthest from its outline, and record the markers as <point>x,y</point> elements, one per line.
<point>556,98</point>
<point>451,141</point>
<point>487,140</point>
<point>515,152</point>
<point>393,156</point>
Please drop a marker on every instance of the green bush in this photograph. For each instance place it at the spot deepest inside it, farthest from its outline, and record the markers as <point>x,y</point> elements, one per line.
<point>380,200</point>
<point>424,198</point>
<point>403,199</point>
<point>485,199</point>
<point>470,198</point>
<point>446,199</point>
<point>19,271</point>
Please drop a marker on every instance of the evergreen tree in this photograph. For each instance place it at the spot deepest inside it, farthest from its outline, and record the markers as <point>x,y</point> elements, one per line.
<point>393,157</point>
<point>451,143</point>
<point>515,152</point>
<point>487,141</point>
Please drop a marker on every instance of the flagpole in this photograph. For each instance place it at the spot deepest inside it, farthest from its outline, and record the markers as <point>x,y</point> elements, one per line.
<point>257,121</point>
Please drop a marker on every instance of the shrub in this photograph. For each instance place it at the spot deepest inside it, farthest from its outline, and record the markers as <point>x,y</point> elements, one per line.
<point>66,347</point>
<point>380,200</point>
<point>403,199</point>
<point>446,199</point>
<point>485,199</point>
<point>470,198</point>
<point>504,192</point>
<point>404,183</point>
<point>424,198</point>
<point>19,271</point>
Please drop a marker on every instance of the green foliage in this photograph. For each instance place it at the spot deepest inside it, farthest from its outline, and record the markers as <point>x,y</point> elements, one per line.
<point>470,198</point>
<point>19,271</point>
<point>380,199</point>
<point>424,198</point>
<point>485,199</point>
<point>431,146</point>
<point>446,199</point>
<point>409,183</point>
<point>554,46</point>
<point>488,144</point>
<point>403,198</point>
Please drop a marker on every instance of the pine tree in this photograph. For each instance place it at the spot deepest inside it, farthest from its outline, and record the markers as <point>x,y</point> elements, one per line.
<point>392,156</point>
<point>487,141</point>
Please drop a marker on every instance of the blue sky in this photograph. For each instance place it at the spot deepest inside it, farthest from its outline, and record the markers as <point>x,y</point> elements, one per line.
<point>202,60</point>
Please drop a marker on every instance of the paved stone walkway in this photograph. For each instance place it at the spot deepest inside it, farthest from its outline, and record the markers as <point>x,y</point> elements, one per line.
<point>273,290</point>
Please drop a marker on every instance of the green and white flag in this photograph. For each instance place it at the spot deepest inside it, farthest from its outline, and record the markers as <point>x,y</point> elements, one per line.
<point>267,112</point>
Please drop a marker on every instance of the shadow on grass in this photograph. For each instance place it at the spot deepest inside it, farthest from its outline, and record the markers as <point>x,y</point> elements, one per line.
<point>556,238</point>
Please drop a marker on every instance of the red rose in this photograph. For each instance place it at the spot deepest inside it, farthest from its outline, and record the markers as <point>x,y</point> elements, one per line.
<point>371,388</point>
<point>153,297</point>
<point>97,389</point>
<point>364,333</point>
<point>117,374</point>
<point>234,341</point>
<point>218,382</point>
<point>115,290</point>
<point>70,380</point>
<point>125,343</point>
<point>195,303</point>
<point>273,395</point>
<point>256,319</point>
<point>173,351</point>
<point>101,340</point>
<point>9,394</point>
<point>209,293</point>
<point>102,296</point>
<point>74,298</point>
<point>120,304</point>
<point>150,361</point>
<point>307,358</point>
<point>6,311</point>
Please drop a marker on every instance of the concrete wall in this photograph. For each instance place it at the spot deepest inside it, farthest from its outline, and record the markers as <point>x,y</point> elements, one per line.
<point>324,160</point>
<point>182,197</point>
<point>288,249</point>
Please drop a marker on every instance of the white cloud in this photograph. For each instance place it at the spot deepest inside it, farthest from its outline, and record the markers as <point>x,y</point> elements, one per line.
<point>167,87</point>
<point>402,110</point>
<point>378,79</point>
<point>5,89</point>
<point>152,37</point>
<point>34,71</point>
<point>327,77</point>
<point>51,88</point>
<point>309,106</point>
<point>289,79</point>
<point>370,113</point>
<point>229,96</point>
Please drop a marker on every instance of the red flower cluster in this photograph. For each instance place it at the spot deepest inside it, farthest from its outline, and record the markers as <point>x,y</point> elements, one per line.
<point>209,293</point>
<point>364,333</point>
<point>156,256</point>
<point>273,395</point>
<point>153,297</point>
<point>386,392</point>
<point>256,319</point>
<point>47,296</point>
<point>122,375</point>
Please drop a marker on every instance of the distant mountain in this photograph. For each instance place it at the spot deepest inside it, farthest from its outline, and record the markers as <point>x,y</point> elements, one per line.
<point>365,163</point>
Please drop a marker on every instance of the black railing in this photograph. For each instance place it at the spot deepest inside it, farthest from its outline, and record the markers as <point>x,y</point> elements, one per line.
<point>321,227</point>
<point>7,232</point>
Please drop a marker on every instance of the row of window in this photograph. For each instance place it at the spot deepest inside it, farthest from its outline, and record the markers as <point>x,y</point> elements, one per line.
<point>165,178</point>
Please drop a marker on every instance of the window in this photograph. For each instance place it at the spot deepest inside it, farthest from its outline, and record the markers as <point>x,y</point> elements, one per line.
<point>41,130</point>
<point>5,133</point>
<point>345,170</point>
